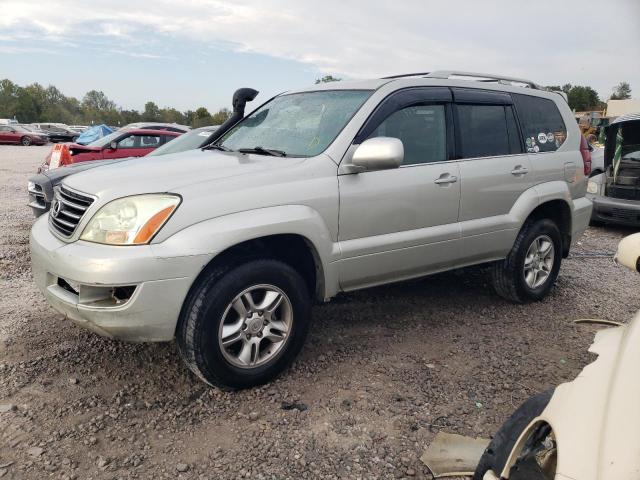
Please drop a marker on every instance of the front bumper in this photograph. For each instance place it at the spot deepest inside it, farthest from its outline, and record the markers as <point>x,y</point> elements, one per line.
<point>159,285</point>
<point>615,210</point>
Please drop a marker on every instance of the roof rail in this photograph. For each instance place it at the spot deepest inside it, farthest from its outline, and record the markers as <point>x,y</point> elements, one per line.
<point>484,77</point>
<point>402,75</point>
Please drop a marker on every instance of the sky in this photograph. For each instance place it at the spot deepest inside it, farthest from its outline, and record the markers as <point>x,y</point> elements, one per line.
<point>191,53</point>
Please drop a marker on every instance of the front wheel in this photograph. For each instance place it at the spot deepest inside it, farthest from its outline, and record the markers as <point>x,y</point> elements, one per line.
<point>531,269</point>
<point>242,326</point>
<point>26,141</point>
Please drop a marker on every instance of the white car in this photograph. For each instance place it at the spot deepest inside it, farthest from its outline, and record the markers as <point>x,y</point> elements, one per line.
<point>586,429</point>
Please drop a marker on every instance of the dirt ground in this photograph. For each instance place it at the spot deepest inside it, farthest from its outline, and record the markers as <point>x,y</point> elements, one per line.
<point>382,372</point>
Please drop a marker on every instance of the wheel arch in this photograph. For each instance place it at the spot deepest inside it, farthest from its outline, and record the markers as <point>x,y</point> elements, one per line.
<point>294,234</point>
<point>559,211</point>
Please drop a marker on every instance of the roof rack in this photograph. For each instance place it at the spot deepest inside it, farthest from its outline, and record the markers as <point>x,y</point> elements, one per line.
<point>402,75</point>
<point>484,77</point>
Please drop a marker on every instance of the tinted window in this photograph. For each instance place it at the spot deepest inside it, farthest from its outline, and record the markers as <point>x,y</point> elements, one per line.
<point>422,130</point>
<point>542,125</point>
<point>483,131</point>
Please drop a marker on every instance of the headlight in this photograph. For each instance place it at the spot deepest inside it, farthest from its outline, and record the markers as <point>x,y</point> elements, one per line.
<point>130,220</point>
<point>592,187</point>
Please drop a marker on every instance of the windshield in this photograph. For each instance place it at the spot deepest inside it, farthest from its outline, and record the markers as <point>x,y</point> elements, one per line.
<point>106,140</point>
<point>187,141</point>
<point>298,124</point>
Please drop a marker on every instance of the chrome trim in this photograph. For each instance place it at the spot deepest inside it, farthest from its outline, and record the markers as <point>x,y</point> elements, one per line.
<point>71,207</point>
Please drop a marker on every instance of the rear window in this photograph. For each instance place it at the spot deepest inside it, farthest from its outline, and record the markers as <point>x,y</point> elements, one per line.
<point>542,126</point>
<point>484,131</point>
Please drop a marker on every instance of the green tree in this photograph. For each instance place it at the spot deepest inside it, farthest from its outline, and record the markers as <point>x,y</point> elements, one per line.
<point>220,116</point>
<point>151,112</point>
<point>622,91</point>
<point>327,79</point>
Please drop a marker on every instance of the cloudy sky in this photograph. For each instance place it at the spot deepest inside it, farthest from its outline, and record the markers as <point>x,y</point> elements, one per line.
<point>191,53</point>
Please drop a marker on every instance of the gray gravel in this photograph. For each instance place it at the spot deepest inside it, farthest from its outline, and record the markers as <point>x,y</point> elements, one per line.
<point>382,372</point>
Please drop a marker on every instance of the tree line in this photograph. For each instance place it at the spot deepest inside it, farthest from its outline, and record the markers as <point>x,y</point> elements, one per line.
<point>584,98</point>
<point>36,103</point>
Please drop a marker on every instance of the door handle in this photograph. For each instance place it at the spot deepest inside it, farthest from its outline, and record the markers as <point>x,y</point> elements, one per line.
<point>519,170</point>
<point>445,178</point>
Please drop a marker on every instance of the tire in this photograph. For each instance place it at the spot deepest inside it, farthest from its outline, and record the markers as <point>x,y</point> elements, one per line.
<point>509,274</point>
<point>209,306</point>
<point>26,141</point>
<point>496,454</point>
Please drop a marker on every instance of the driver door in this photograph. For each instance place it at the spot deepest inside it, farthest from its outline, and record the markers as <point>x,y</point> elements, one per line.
<point>403,222</point>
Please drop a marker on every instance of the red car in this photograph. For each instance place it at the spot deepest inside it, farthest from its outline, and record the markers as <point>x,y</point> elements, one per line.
<point>119,144</point>
<point>21,136</point>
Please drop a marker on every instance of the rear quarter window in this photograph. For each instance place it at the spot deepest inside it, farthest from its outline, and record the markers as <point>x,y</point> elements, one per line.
<point>542,126</point>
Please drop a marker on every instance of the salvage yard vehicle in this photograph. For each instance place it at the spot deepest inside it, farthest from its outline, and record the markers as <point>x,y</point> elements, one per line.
<point>616,192</point>
<point>332,188</point>
<point>20,135</point>
<point>40,187</point>
<point>58,132</point>
<point>119,144</point>
<point>586,429</point>
<point>172,127</point>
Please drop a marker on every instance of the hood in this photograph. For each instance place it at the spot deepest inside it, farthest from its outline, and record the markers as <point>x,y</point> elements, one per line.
<point>171,172</point>
<point>76,148</point>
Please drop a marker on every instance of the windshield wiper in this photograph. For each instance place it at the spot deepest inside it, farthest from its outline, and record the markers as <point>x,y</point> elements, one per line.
<point>214,146</point>
<point>263,151</point>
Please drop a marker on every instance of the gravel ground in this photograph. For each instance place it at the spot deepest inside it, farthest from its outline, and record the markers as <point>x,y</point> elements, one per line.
<point>382,372</point>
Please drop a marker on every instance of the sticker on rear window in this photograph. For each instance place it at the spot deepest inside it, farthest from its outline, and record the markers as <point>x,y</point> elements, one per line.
<point>542,138</point>
<point>550,137</point>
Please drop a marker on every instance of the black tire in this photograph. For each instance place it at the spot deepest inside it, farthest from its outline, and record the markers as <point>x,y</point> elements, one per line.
<point>26,141</point>
<point>203,310</point>
<point>496,454</point>
<point>508,274</point>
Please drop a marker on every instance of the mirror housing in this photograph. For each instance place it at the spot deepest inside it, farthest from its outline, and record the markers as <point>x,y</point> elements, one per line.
<point>379,153</point>
<point>113,145</point>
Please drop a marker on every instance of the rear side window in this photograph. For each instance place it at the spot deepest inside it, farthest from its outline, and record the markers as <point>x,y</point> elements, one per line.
<point>486,131</point>
<point>542,125</point>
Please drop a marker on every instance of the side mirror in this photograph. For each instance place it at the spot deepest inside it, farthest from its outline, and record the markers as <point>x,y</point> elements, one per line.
<point>113,145</point>
<point>380,153</point>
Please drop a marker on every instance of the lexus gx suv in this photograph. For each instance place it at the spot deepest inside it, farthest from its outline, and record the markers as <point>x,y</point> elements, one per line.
<point>332,188</point>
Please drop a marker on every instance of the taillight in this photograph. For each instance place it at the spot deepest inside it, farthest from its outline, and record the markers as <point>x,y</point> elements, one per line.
<point>586,155</point>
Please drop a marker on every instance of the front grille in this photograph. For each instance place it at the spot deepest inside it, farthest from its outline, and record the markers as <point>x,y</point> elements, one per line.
<point>67,209</point>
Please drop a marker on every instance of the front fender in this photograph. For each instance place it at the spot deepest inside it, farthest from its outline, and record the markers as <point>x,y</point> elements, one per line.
<point>214,236</point>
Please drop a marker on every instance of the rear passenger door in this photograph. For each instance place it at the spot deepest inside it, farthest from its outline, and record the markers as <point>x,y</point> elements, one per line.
<point>402,222</point>
<point>495,170</point>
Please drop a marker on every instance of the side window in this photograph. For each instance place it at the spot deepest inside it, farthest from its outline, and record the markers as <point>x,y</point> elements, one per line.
<point>4,129</point>
<point>542,125</point>
<point>483,131</point>
<point>132,141</point>
<point>150,141</point>
<point>140,141</point>
<point>422,129</point>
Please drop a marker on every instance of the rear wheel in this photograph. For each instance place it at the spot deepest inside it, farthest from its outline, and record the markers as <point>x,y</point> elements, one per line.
<point>26,141</point>
<point>241,326</point>
<point>531,268</point>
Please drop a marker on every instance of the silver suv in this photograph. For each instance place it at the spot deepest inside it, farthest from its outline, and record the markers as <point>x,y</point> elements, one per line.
<point>332,188</point>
